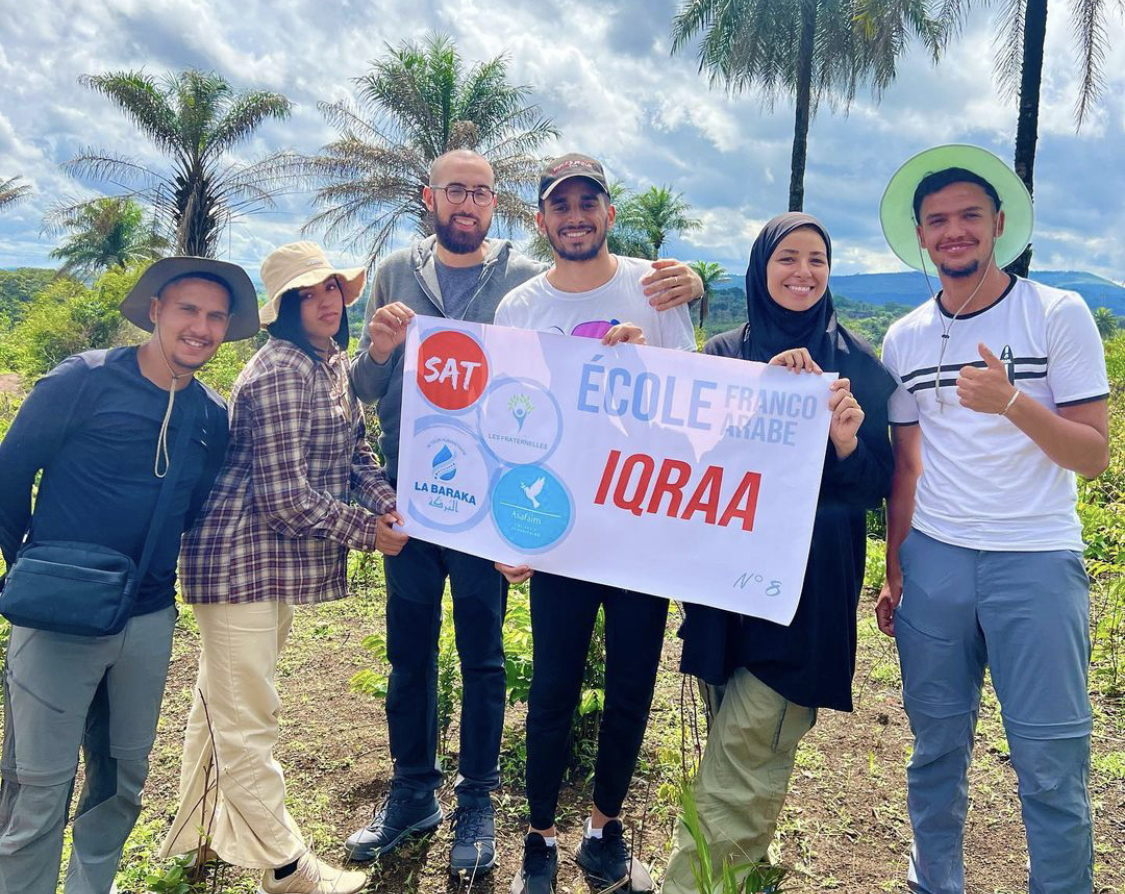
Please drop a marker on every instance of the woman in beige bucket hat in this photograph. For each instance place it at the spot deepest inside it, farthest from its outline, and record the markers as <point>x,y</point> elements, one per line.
<point>275,533</point>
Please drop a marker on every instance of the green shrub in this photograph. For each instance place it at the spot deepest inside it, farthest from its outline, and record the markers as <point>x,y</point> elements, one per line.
<point>67,318</point>
<point>875,571</point>
<point>222,369</point>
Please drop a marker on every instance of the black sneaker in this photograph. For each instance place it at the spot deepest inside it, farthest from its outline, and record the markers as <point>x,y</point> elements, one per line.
<point>474,838</point>
<point>607,861</point>
<point>540,864</point>
<point>394,820</point>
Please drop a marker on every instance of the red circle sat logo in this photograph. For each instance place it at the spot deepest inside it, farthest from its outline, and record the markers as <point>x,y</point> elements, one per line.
<point>452,370</point>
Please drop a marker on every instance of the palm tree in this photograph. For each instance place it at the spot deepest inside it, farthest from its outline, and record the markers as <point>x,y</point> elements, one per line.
<point>418,102</point>
<point>195,119</point>
<point>105,233</point>
<point>12,192</point>
<point>1019,44</point>
<point>712,275</point>
<point>659,213</point>
<point>810,49</point>
<point>1107,323</point>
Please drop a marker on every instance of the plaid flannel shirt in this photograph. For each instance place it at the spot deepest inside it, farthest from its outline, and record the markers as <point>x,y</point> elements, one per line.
<point>278,522</point>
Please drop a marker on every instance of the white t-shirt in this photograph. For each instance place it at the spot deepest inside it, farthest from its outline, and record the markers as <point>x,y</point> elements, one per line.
<point>985,484</point>
<point>538,305</point>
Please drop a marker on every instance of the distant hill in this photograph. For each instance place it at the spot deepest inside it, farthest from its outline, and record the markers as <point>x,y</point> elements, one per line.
<point>911,289</point>
<point>869,302</point>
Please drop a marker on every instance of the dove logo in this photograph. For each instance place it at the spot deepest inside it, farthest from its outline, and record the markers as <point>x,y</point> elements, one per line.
<point>531,508</point>
<point>533,490</point>
<point>452,370</point>
<point>444,464</point>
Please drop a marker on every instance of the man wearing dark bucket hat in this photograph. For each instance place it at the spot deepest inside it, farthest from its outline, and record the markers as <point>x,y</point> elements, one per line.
<point>107,428</point>
<point>1001,400</point>
<point>460,274</point>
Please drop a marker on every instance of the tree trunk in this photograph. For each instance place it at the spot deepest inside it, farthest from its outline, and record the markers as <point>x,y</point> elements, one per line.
<point>804,105</point>
<point>704,307</point>
<point>1027,128</point>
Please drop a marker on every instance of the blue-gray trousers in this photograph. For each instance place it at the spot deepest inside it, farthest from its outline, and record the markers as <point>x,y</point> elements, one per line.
<point>1026,616</point>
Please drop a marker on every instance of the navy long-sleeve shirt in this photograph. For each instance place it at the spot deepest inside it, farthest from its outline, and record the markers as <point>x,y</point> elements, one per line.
<point>91,424</point>
<point>811,662</point>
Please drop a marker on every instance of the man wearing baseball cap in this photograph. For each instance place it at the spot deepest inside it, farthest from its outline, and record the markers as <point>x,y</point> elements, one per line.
<point>1001,400</point>
<point>105,429</point>
<point>593,293</point>
<point>460,274</point>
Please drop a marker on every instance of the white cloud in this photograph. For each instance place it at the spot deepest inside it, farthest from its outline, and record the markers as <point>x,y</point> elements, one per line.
<point>603,72</point>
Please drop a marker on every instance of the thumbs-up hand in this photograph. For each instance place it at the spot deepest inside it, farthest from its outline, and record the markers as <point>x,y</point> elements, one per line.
<point>985,390</point>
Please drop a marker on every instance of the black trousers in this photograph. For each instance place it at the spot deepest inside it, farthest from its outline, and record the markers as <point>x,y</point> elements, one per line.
<point>415,586</point>
<point>563,612</point>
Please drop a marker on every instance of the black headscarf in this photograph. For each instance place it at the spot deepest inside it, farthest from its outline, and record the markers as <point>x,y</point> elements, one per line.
<point>772,328</point>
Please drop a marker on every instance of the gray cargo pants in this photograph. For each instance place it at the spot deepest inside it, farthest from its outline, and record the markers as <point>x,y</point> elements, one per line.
<point>63,693</point>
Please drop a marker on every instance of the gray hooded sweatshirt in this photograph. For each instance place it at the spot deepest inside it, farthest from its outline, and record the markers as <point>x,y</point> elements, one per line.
<point>410,276</point>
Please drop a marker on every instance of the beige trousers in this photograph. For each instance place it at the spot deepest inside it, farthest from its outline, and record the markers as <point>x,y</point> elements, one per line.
<point>742,779</point>
<point>232,791</point>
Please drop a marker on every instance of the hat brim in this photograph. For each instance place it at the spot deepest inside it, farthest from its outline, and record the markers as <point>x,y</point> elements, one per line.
<point>550,189</point>
<point>244,298</point>
<point>896,210</point>
<point>353,279</point>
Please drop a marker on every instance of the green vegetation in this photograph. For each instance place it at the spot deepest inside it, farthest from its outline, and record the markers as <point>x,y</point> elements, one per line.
<point>67,318</point>
<point>17,288</point>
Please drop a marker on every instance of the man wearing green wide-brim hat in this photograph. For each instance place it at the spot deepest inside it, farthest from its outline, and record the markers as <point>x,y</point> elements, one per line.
<point>1001,401</point>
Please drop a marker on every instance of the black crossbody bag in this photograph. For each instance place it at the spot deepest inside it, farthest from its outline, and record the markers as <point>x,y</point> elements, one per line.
<point>86,589</point>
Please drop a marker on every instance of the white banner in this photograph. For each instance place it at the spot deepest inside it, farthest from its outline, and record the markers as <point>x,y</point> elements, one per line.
<point>659,471</point>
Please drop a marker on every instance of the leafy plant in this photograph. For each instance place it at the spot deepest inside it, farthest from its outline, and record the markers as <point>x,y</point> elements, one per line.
<point>449,676</point>
<point>727,877</point>
<point>517,646</point>
<point>875,571</point>
<point>373,681</point>
<point>67,318</point>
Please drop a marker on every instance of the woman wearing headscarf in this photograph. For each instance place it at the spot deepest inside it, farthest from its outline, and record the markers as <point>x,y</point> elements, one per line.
<point>275,533</point>
<point>775,678</point>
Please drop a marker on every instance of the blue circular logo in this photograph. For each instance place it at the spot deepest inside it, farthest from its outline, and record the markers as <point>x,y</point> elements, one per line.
<point>531,508</point>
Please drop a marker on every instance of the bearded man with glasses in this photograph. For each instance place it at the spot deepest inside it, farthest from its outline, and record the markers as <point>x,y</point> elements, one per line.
<point>460,274</point>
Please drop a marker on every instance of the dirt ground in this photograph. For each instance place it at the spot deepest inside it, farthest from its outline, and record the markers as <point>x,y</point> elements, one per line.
<point>844,827</point>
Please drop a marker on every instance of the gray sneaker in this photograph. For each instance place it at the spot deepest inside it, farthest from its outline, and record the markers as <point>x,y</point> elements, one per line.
<point>474,838</point>
<point>395,820</point>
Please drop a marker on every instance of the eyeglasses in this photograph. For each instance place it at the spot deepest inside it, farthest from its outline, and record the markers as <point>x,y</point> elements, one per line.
<point>456,193</point>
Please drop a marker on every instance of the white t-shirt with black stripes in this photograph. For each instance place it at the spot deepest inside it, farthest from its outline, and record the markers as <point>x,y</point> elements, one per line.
<point>985,484</point>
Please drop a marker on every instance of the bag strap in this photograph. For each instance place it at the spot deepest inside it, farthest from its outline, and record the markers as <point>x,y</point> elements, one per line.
<point>167,486</point>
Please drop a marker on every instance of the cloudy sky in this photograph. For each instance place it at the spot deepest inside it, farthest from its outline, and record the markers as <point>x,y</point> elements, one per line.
<point>602,71</point>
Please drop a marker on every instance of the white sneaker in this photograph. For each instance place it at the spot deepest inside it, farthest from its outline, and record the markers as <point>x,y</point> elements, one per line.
<point>313,877</point>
